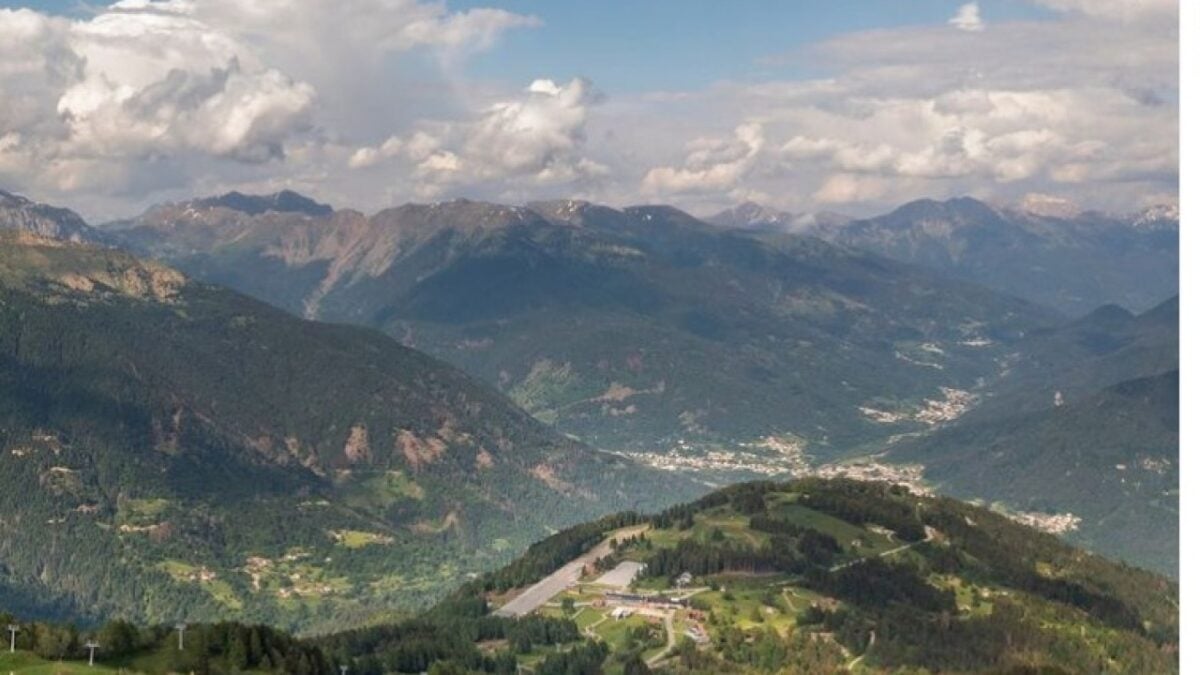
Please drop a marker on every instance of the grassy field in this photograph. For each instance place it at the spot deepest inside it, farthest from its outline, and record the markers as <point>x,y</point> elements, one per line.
<point>29,664</point>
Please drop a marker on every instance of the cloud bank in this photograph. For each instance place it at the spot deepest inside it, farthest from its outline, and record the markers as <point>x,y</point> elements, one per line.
<point>153,99</point>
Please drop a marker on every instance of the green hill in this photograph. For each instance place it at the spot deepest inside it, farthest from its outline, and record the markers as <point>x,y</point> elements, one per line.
<point>172,450</point>
<point>807,576</point>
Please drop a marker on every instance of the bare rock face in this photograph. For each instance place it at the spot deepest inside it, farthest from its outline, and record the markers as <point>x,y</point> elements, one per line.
<point>24,215</point>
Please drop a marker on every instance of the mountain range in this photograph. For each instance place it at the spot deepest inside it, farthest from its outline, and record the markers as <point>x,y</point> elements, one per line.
<point>173,450</point>
<point>1064,258</point>
<point>637,329</point>
<point>721,353</point>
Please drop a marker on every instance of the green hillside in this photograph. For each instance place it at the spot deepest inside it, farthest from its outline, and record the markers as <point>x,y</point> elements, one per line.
<point>171,450</point>
<point>808,576</point>
<point>1086,423</point>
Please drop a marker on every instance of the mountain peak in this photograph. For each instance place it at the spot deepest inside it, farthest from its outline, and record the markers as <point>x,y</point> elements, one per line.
<point>752,215</point>
<point>285,201</point>
<point>1110,314</point>
<point>956,210</point>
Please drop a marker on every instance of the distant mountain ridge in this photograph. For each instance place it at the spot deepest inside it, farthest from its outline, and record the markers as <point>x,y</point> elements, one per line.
<point>754,216</point>
<point>286,201</point>
<point>1049,252</point>
<point>639,328</point>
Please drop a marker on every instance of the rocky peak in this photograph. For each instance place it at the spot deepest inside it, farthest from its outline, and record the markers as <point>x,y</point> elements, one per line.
<point>22,214</point>
<point>752,215</point>
<point>285,201</point>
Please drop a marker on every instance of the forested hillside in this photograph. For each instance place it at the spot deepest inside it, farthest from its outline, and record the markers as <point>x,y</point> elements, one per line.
<point>171,450</point>
<point>1085,422</point>
<point>807,576</point>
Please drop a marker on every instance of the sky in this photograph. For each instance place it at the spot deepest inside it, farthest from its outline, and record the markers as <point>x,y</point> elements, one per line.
<point>805,106</point>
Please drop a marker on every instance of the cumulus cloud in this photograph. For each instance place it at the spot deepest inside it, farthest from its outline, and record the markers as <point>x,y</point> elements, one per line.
<point>1087,110</point>
<point>968,18</point>
<point>712,164</point>
<point>134,83</point>
<point>149,96</point>
<point>537,137</point>
<point>186,85</point>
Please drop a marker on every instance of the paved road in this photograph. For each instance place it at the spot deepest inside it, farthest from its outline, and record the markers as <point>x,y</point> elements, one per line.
<point>564,577</point>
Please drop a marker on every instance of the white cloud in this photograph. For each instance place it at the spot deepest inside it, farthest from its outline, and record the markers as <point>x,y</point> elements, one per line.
<point>712,164</point>
<point>147,97</point>
<point>537,137</point>
<point>1122,10</point>
<point>968,18</point>
<point>843,188</point>
<point>1086,109</point>
<point>185,85</point>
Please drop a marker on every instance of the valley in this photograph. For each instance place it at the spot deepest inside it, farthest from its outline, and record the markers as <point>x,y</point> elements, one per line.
<point>634,330</point>
<point>594,333</point>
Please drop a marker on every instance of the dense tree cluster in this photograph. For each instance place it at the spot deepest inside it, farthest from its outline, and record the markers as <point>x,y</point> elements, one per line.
<point>448,634</point>
<point>818,547</point>
<point>586,659</point>
<point>867,503</point>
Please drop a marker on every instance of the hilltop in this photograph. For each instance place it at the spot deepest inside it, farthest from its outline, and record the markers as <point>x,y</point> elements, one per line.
<point>806,576</point>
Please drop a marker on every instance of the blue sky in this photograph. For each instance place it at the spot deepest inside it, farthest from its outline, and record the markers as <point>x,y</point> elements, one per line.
<point>640,45</point>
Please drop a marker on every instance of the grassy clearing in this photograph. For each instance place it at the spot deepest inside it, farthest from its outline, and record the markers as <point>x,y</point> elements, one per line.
<point>355,539</point>
<point>869,543</point>
<point>140,512</point>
